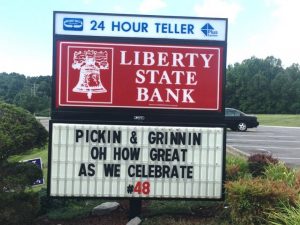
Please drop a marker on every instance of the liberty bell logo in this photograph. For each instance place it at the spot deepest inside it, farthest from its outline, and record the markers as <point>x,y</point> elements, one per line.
<point>90,63</point>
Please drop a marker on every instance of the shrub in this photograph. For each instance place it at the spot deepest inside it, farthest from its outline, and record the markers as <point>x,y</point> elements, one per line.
<point>18,176</point>
<point>250,200</point>
<point>236,167</point>
<point>18,208</point>
<point>65,208</point>
<point>19,131</point>
<point>49,203</point>
<point>258,162</point>
<point>297,180</point>
<point>232,172</point>
<point>279,172</point>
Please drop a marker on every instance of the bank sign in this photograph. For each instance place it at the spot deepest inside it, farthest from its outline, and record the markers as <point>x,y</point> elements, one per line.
<point>137,108</point>
<point>151,76</point>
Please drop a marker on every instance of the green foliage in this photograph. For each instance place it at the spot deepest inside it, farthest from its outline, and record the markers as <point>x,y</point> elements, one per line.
<point>280,172</point>
<point>236,167</point>
<point>18,208</point>
<point>65,209</point>
<point>10,86</point>
<point>258,162</point>
<point>72,210</point>
<point>19,131</point>
<point>263,86</point>
<point>30,93</point>
<point>285,215</point>
<point>17,176</point>
<point>250,200</point>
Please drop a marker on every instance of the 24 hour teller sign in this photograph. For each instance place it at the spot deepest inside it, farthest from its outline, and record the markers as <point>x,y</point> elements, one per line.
<point>129,161</point>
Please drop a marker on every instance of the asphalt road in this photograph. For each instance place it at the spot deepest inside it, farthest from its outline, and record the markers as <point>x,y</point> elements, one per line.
<point>282,142</point>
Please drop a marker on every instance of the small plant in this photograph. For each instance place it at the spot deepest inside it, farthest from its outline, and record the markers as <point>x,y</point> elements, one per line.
<point>236,167</point>
<point>250,200</point>
<point>18,207</point>
<point>286,214</point>
<point>297,180</point>
<point>258,162</point>
<point>279,172</point>
<point>232,172</point>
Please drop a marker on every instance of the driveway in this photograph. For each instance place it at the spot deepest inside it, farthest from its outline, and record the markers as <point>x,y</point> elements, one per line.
<point>282,142</point>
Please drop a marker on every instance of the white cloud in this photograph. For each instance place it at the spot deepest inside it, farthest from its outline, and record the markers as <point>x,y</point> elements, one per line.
<point>281,39</point>
<point>218,8</point>
<point>151,5</point>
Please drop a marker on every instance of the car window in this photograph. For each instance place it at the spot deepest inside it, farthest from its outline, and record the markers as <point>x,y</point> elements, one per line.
<point>231,112</point>
<point>236,113</point>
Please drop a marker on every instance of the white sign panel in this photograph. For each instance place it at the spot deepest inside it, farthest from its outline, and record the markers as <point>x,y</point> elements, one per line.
<point>140,26</point>
<point>90,160</point>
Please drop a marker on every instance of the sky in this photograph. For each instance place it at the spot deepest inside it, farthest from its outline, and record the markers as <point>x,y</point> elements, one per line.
<point>257,28</point>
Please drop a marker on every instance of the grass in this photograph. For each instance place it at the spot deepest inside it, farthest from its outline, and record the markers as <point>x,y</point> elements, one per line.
<point>279,120</point>
<point>288,215</point>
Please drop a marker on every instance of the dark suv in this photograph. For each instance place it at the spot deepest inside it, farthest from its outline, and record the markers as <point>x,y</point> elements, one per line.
<point>237,120</point>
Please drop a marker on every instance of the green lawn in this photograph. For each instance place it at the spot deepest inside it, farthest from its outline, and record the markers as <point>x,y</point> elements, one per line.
<point>279,120</point>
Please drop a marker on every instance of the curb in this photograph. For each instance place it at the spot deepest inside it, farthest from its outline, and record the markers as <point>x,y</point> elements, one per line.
<point>234,151</point>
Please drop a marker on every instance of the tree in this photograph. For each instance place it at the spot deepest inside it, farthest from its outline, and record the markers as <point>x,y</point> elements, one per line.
<point>263,86</point>
<point>30,93</point>
<point>19,132</point>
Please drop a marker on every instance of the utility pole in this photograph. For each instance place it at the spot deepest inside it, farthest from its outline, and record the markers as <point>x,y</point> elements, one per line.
<point>33,93</point>
<point>33,90</point>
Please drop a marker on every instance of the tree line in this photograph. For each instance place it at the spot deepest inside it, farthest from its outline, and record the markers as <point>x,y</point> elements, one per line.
<point>30,93</point>
<point>263,86</point>
<point>254,86</point>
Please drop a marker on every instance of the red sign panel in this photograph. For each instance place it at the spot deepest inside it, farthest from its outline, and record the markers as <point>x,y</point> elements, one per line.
<point>138,76</point>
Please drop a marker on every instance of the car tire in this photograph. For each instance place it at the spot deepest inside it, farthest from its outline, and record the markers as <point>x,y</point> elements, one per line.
<point>242,126</point>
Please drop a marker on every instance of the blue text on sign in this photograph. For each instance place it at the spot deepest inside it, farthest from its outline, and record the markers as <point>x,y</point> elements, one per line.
<point>129,26</point>
<point>174,28</point>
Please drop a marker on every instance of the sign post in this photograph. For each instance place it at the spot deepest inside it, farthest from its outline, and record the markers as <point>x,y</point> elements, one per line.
<point>137,107</point>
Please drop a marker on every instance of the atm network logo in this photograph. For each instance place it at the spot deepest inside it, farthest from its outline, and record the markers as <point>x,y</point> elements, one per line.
<point>73,24</point>
<point>209,30</point>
